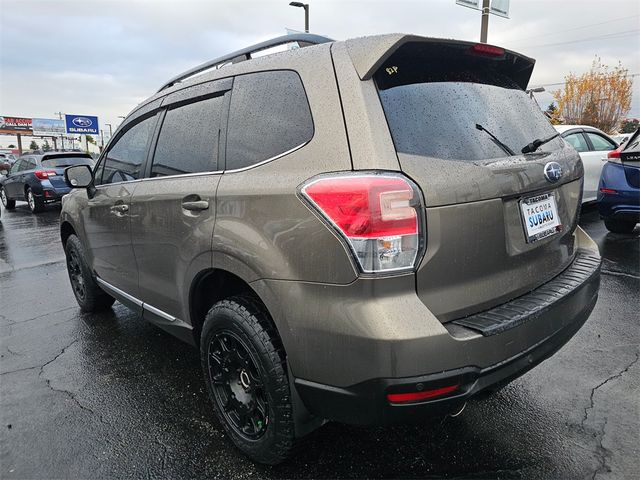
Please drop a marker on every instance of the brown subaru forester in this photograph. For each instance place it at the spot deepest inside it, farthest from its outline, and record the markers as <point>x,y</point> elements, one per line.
<point>369,231</point>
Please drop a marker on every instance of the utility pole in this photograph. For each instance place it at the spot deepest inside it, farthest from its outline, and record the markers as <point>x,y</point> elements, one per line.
<point>60,115</point>
<point>484,26</point>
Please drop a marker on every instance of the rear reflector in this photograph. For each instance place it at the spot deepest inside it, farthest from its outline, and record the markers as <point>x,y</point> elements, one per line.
<point>417,396</point>
<point>608,190</point>
<point>490,50</point>
<point>378,215</point>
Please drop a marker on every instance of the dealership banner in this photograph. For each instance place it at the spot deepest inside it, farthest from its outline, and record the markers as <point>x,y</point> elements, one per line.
<point>81,124</point>
<point>48,126</point>
<point>15,125</point>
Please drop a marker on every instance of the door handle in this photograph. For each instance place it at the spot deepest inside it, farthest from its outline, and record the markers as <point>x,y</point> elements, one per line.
<point>195,205</point>
<point>120,208</point>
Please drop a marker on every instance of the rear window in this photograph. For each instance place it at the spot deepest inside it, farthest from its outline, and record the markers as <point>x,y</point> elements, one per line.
<point>432,105</point>
<point>269,116</point>
<point>60,162</point>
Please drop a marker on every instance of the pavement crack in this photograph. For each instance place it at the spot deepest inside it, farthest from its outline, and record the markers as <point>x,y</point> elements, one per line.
<point>601,451</point>
<point>20,322</point>
<point>620,274</point>
<point>71,395</point>
<point>604,382</point>
<point>20,370</point>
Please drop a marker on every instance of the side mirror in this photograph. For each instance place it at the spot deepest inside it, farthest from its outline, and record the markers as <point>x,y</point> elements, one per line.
<point>78,176</point>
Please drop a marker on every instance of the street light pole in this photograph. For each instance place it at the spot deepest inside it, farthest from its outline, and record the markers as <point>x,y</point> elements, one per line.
<point>484,26</point>
<point>110,132</point>
<point>306,13</point>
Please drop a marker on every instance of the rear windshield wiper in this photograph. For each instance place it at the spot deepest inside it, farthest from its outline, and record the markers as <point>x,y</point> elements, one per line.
<point>537,143</point>
<point>495,139</point>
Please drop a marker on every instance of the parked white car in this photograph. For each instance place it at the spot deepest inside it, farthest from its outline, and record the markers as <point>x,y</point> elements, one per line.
<point>622,138</point>
<point>592,145</point>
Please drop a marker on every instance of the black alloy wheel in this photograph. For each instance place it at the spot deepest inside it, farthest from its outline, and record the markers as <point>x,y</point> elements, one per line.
<point>75,275</point>
<point>237,385</point>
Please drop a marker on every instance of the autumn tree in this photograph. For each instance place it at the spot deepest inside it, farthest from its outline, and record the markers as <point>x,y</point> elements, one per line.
<point>629,125</point>
<point>600,97</point>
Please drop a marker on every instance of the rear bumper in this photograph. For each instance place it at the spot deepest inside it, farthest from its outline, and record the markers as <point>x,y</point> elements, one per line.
<point>565,302</point>
<point>366,403</point>
<point>624,204</point>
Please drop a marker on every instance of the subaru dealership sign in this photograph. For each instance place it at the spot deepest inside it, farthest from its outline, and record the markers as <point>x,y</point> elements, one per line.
<point>81,124</point>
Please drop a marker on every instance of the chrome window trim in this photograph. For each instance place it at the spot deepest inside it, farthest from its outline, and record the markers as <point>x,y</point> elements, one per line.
<point>271,159</point>
<point>214,172</point>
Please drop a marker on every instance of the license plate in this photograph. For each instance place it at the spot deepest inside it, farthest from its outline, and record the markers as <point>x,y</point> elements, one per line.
<point>540,217</point>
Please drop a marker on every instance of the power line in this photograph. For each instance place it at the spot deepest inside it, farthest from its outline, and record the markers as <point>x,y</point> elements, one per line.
<point>549,34</point>
<point>564,83</point>
<point>608,36</point>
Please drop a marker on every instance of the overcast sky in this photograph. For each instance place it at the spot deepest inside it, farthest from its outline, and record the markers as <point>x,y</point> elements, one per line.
<point>104,57</point>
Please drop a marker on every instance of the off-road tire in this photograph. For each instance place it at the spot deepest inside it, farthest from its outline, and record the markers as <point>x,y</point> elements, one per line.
<point>36,204</point>
<point>90,297</point>
<point>245,317</point>
<point>8,204</point>
<point>619,226</point>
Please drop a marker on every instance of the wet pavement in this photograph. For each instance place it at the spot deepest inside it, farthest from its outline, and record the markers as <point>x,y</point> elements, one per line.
<point>94,396</point>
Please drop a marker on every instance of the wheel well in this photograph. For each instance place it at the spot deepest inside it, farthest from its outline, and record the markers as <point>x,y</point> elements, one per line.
<point>66,230</point>
<point>211,287</point>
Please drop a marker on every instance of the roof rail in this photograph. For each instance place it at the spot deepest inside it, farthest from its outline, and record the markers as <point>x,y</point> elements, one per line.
<point>303,39</point>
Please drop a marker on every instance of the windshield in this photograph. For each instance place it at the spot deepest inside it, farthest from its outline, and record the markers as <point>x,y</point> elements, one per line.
<point>60,162</point>
<point>437,117</point>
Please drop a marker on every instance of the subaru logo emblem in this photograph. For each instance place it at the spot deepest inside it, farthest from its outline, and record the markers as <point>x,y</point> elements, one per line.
<point>81,122</point>
<point>552,172</point>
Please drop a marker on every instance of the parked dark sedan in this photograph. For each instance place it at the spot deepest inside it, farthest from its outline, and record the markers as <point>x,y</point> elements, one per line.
<point>39,179</point>
<point>619,189</point>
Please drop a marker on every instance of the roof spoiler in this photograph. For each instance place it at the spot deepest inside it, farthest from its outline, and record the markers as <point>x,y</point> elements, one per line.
<point>303,40</point>
<point>368,54</point>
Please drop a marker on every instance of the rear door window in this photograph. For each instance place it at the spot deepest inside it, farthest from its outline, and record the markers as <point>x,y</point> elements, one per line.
<point>188,141</point>
<point>600,143</point>
<point>16,167</point>
<point>269,116</point>
<point>577,141</point>
<point>124,159</point>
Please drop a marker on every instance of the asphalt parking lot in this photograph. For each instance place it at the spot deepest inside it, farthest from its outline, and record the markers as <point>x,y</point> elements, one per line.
<point>94,396</point>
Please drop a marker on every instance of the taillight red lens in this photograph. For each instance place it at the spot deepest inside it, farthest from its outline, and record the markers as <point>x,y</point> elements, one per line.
<point>615,153</point>
<point>376,214</point>
<point>424,395</point>
<point>484,49</point>
<point>366,207</point>
<point>44,174</point>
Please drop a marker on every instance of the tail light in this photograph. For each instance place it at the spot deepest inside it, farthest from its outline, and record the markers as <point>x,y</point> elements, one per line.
<point>489,50</point>
<point>614,153</point>
<point>379,216</point>
<point>44,174</point>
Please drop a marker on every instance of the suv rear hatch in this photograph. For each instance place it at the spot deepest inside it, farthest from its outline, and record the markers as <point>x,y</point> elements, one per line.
<point>58,163</point>
<point>496,226</point>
